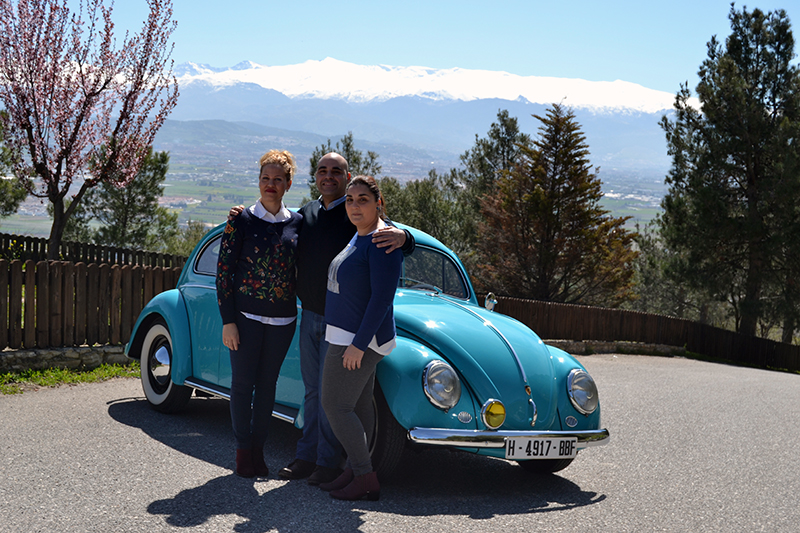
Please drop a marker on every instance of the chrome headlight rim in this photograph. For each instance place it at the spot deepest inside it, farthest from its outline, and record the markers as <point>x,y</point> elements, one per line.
<point>485,409</point>
<point>582,391</point>
<point>432,375</point>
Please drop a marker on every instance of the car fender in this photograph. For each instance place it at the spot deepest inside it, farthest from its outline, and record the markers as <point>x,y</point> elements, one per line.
<point>399,375</point>
<point>564,363</point>
<point>170,307</point>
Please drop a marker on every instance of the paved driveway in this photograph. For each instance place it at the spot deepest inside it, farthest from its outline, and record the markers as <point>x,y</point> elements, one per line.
<point>695,447</point>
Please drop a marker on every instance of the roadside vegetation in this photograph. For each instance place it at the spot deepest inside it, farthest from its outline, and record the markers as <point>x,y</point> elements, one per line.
<point>19,382</point>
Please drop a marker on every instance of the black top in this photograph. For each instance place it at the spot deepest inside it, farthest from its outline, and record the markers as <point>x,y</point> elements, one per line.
<point>323,235</point>
<point>256,267</point>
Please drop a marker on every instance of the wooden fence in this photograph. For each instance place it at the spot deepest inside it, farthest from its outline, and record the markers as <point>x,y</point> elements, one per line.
<point>59,303</point>
<point>576,322</point>
<point>27,248</point>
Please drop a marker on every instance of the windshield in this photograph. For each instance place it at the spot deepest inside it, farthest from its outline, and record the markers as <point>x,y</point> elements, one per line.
<point>429,269</point>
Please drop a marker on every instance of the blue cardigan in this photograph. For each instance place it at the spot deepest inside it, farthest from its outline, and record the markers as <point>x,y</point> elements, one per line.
<point>361,283</point>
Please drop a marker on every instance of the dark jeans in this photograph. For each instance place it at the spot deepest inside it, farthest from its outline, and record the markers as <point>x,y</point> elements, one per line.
<point>318,443</point>
<point>254,373</point>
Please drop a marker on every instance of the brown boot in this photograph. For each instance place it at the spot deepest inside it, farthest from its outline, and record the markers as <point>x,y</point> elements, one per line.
<point>260,468</point>
<point>340,482</point>
<point>244,463</point>
<point>362,487</point>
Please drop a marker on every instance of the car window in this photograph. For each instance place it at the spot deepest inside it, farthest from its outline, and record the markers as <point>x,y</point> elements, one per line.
<point>206,262</point>
<point>427,268</point>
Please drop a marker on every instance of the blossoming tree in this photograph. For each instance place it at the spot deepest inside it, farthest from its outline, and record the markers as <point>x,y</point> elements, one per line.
<point>78,106</point>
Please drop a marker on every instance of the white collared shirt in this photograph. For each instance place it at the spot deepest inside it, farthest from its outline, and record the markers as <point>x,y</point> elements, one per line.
<point>259,211</point>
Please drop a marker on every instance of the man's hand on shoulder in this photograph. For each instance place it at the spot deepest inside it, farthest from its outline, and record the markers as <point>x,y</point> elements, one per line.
<point>390,238</point>
<point>235,212</point>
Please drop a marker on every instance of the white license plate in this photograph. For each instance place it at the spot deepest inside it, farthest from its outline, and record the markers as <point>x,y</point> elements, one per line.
<point>541,448</point>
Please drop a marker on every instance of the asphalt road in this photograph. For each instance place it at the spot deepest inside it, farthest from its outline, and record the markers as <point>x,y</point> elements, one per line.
<point>695,447</point>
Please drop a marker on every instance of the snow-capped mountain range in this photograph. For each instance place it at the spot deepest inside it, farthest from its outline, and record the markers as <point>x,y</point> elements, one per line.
<point>414,117</point>
<point>332,79</point>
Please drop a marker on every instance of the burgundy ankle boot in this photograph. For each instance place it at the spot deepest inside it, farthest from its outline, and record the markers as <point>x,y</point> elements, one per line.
<point>362,487</point>
<point>340,482</point>
<point>244,463</point>
<point>260,468</point>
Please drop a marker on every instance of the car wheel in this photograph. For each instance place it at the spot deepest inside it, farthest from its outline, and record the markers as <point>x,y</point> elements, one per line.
<point>388,439</point>
<point>156,371</point>
<point>545,466</point>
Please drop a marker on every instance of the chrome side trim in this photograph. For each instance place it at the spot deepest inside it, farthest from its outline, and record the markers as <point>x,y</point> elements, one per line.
<point>472,438</point>
<point>207,387</point>
<point>280,412</point>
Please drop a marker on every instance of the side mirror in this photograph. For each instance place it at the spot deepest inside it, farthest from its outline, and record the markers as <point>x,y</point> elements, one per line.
<point>490,301</point>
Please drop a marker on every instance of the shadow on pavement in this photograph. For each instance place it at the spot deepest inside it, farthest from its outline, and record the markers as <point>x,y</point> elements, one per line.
<point>430,483</point>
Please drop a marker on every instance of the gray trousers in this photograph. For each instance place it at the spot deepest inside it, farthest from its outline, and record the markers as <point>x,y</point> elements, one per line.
<point>347,400</point>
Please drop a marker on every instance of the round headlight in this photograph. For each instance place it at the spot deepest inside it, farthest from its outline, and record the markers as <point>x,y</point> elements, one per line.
<point>582,391</point>
<point>441,384</point>
<point>493,413</point>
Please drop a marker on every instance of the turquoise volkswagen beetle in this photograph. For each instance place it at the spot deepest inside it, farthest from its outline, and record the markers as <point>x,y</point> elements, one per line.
<point>461,376</point>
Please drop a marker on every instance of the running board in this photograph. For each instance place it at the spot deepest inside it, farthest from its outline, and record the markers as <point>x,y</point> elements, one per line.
<point>282,412</point>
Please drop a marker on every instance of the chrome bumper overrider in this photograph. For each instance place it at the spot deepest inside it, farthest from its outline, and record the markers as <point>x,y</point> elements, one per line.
<point>466,438</point>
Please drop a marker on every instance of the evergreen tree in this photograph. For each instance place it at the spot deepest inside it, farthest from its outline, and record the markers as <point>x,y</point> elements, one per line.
<point>434,205</point>
<point>357,162</point>
<point>730,216</point>
<point>12,192</point>
<point>491,158</point>
<point>658,292</point>
<point>545,235</point>
<point>130,216</point>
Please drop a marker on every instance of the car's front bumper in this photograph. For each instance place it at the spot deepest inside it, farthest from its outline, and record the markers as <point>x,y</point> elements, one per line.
<point>465,438</point>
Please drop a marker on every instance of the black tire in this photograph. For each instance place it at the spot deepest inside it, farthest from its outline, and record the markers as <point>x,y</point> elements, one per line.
<point>156,370</point>
<point>388,439</point>
<point>545,466</point>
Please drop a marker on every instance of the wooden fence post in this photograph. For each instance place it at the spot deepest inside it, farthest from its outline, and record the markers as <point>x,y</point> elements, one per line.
<point>136,294</point>
<point>30,304</point>
<point>42,304</point>
<point>4,284</point>
<point>126,299</point>
<point>68,296</point>
<point>80,303</point>
<point>56,306</point>
<point>104,297</point>
<point>115,308</point>
<point>15,305</point>
<point>92,304</point>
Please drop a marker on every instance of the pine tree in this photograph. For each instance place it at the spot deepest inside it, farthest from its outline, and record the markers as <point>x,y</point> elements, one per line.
<point>545,235</point>
<point>731,216</point>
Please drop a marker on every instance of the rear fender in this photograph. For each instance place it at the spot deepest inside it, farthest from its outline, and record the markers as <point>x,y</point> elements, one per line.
<point>168,306</point>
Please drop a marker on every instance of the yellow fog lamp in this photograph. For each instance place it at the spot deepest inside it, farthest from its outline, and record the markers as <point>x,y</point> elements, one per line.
<point>493,413</point>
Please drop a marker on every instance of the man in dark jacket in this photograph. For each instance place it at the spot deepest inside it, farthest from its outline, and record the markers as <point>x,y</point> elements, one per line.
<point>325,232</point>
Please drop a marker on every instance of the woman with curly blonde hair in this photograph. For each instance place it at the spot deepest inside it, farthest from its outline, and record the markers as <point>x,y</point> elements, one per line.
<point>256,294</point>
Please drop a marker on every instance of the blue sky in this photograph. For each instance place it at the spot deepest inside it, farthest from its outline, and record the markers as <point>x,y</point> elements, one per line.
<point>654,43</point>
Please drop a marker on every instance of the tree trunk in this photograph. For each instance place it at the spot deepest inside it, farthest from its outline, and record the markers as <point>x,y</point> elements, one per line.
<point>788,330</point>
<point>57,229</point>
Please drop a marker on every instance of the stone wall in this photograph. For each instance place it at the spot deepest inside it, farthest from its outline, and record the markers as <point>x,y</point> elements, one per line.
<point>635,348</point>
<point>89,357</point>
<point>75,357</point>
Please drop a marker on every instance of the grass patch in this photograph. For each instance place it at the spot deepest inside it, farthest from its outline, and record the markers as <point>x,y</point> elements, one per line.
<point>18,382</point>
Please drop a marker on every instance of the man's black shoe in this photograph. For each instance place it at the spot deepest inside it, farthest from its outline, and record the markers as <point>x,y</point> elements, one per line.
<point>297,469</point>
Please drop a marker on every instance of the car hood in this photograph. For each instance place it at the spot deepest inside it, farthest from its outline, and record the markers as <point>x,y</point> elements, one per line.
<point>497,356</point>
